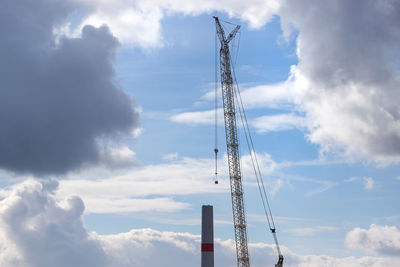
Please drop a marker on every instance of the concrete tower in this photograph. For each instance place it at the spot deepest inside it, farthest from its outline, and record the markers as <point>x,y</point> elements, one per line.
<point>207,236</point>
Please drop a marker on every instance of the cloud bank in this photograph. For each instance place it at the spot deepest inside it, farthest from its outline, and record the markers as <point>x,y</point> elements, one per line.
<point>347,77</point>
<point>36,230</point>
<point>154,187</point>
<point>138,22</point>
<point>378,240</point>
<point>57,100</point>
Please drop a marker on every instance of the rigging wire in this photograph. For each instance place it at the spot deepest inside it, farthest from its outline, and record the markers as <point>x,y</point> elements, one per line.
<point>240,107</point>
<point>236,47</point>
<point>216,110</point>
<point>254,160</point>
<point>229,22</point>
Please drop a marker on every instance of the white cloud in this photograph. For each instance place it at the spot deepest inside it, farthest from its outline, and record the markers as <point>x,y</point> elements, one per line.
<point>266,163</point>
<point>279,95</point>
<point>272,96</point>
<point>263,124</point>
<point>138,22</point>
<point>325,186</point>
<point>352,179</point>
<point>198,117</point>
<point>280,122</point>
<point>3,193</point>
<point>309,231</point>
<point>114,157</point>
<point>137,132</point>
<point>256,12</point>
<point>124,204</point>
<point>379,240</point>
<point>132,189</point>
<point>275,187</point>
<point>368,182</point>
<point>133,25</point>
<point>154,187</point>
<point>188,221</point>
<point>314,162</point>
<point>35,231</point>
<point>171,156</point>
<point>278,219</point>
<point>323,260</point>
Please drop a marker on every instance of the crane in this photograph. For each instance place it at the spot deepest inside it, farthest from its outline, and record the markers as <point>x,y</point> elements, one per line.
<point>232,144</point>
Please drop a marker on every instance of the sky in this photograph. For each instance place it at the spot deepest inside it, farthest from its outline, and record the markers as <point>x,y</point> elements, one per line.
<point>107,131</point>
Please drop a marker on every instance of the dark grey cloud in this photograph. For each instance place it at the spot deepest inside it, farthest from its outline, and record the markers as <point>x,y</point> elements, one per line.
<point>57,101</point>
<point>342,41</point>
<point>348,74</point>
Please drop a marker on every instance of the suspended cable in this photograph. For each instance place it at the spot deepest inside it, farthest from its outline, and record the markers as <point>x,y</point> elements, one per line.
<point>237,48</point>
<point>255,164</point>
<point>253,152</point>
<point>232,101</point>
<point>253,161</point>
<point>229,22</point>
<point>235,176</point>
<point>216,110</point>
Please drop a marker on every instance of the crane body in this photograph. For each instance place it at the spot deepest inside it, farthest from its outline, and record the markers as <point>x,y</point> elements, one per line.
<point>232,144</point>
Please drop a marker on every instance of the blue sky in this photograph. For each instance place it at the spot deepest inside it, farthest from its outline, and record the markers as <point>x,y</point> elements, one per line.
<point>173,79</point>
<point>320,91</point>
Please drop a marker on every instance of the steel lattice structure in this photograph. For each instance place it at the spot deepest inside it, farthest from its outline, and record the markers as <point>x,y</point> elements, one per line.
<point>232,144</point>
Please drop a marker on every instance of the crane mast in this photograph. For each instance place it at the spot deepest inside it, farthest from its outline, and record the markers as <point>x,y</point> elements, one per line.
<point>232,144</point>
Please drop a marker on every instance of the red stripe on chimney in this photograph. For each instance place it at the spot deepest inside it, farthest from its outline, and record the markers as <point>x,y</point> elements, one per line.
<point>207,247</point>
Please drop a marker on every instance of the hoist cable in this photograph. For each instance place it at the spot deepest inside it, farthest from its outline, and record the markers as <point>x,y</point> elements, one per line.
<point>216,108</point>
<point>253,160</point>
<point>251,144</point>
<point>256,167</point>
<point>229,22</point>
<point>238,46</point>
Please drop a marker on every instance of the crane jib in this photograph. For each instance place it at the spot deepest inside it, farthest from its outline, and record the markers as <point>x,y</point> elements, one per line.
<point>232,144</point>
<point>239,218</point>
